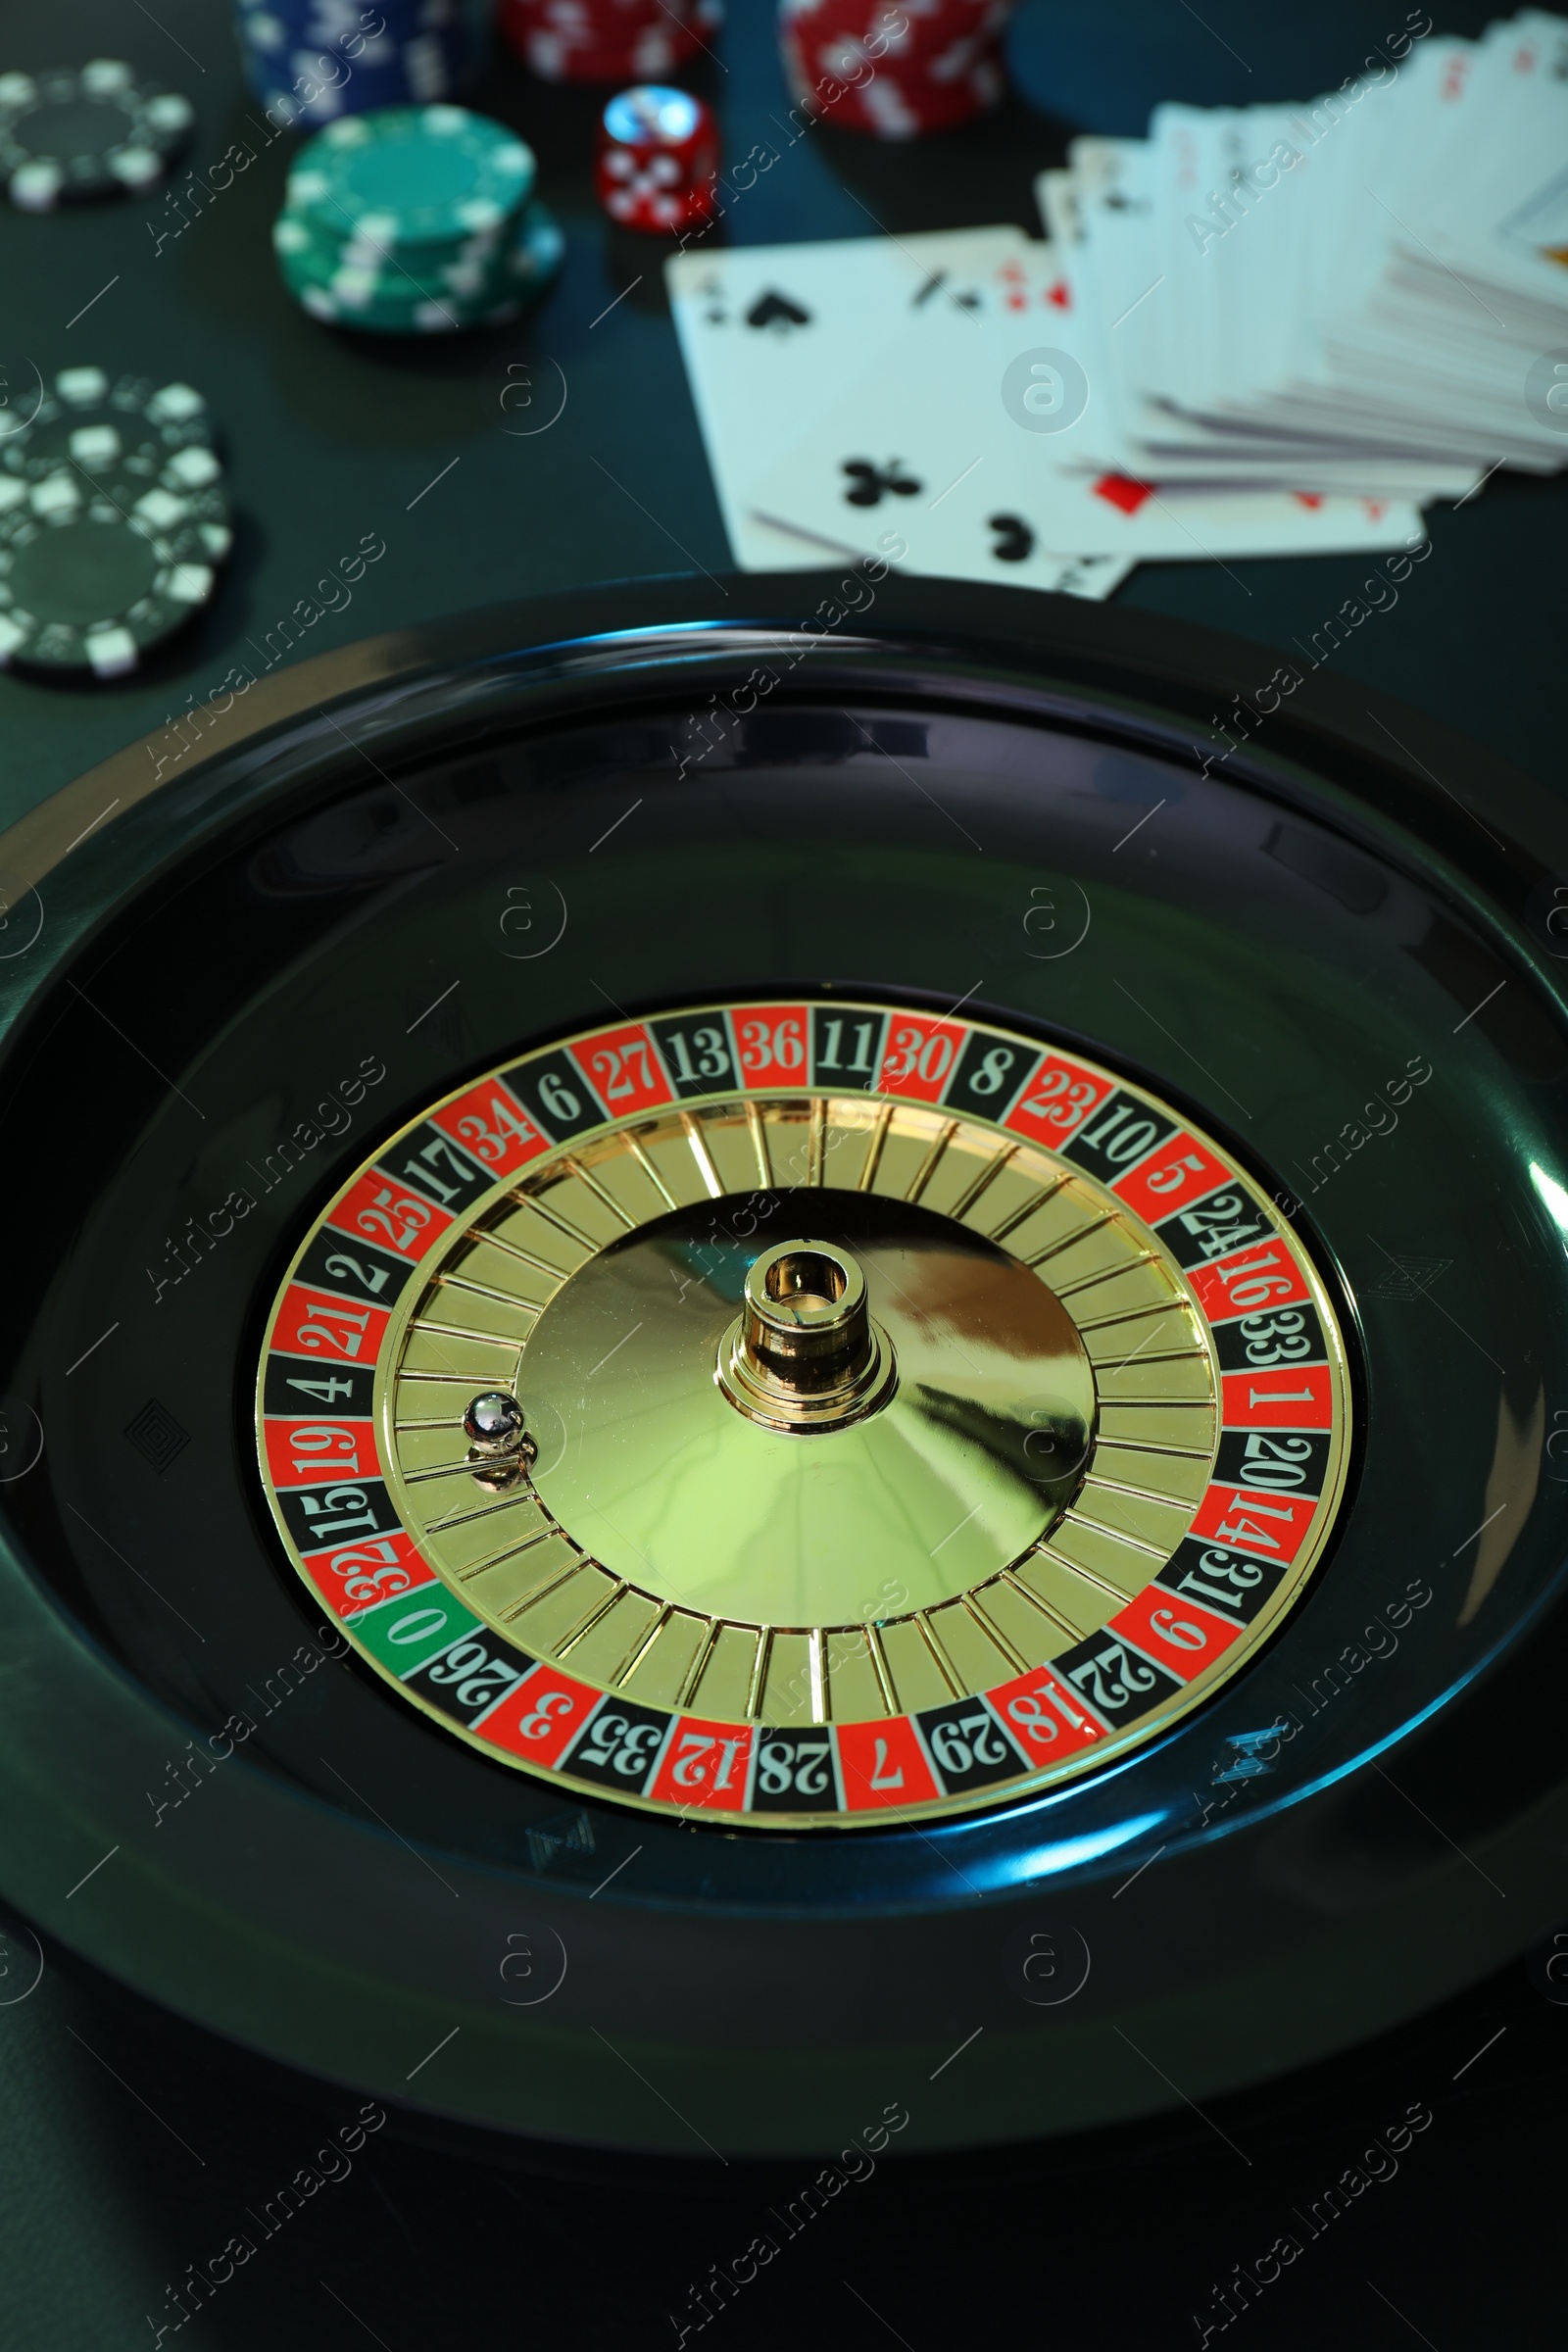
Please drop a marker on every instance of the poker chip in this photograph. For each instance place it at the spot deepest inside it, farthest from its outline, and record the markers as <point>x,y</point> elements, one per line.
<point>537,251</point>
<point>606,40</point>
<point>70,134</point>
<point>128,424</point>
<point>313,61</point>
<point>188,493</point>
<point>415,221</point>
<point>412,176</point>
<point>482,283</point>
<point>894,74</point>
<point>93,575</point>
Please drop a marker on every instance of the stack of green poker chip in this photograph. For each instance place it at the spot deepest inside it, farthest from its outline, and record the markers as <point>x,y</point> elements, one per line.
<point>415,221</point>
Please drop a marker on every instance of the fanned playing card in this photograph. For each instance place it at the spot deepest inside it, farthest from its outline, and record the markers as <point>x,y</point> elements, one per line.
<point>954,444</point>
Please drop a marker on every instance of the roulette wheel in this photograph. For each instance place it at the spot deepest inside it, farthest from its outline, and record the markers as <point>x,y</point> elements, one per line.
<point>759,1366</point>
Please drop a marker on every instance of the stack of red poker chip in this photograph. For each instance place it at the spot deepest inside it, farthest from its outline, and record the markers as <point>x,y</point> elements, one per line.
<point>894,67</point>
<point>606,40</point>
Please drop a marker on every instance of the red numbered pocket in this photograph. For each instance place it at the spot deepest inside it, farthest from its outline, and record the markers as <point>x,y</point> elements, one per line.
<point>542,1716</point>
<point>920,1056</point>
<point>1057,1100</point>
<point>1177,1634</point>
<point>380,1209</point>
<point>322,1324</point>
<point>704,1766</point>
<point>625,1070</point>
<point>1045,1719</point>
<point>493,1128</point>
<point>883,1764</point>
<point>770,1041</point>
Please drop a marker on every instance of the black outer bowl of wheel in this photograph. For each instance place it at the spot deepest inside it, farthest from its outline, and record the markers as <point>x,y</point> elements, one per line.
<point>435,849</point>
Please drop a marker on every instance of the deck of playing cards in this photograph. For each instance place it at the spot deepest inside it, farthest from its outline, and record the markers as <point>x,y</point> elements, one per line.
<point>1367,292</point>
<point>1268,330</point>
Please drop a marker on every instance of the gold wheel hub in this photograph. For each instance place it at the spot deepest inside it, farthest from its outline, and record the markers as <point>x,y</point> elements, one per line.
<point>897,1412</point>
<point>804,1352</point>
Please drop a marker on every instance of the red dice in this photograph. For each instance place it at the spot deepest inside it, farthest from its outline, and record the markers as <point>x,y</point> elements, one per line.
<point>658,159</point>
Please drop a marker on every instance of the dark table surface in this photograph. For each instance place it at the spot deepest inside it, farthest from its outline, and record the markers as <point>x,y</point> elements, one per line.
<point>132,2147</point>
<point>331,437</point>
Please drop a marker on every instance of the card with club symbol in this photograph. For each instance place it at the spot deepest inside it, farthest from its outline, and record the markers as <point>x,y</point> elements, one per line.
<point>958,439</point>
<point>768,332</point>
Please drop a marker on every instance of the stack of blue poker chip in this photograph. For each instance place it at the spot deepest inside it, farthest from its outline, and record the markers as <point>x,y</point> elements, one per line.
<point>311,61</point>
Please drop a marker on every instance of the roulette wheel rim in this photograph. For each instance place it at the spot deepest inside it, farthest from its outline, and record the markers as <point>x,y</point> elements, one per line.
<point>335,1959</point>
